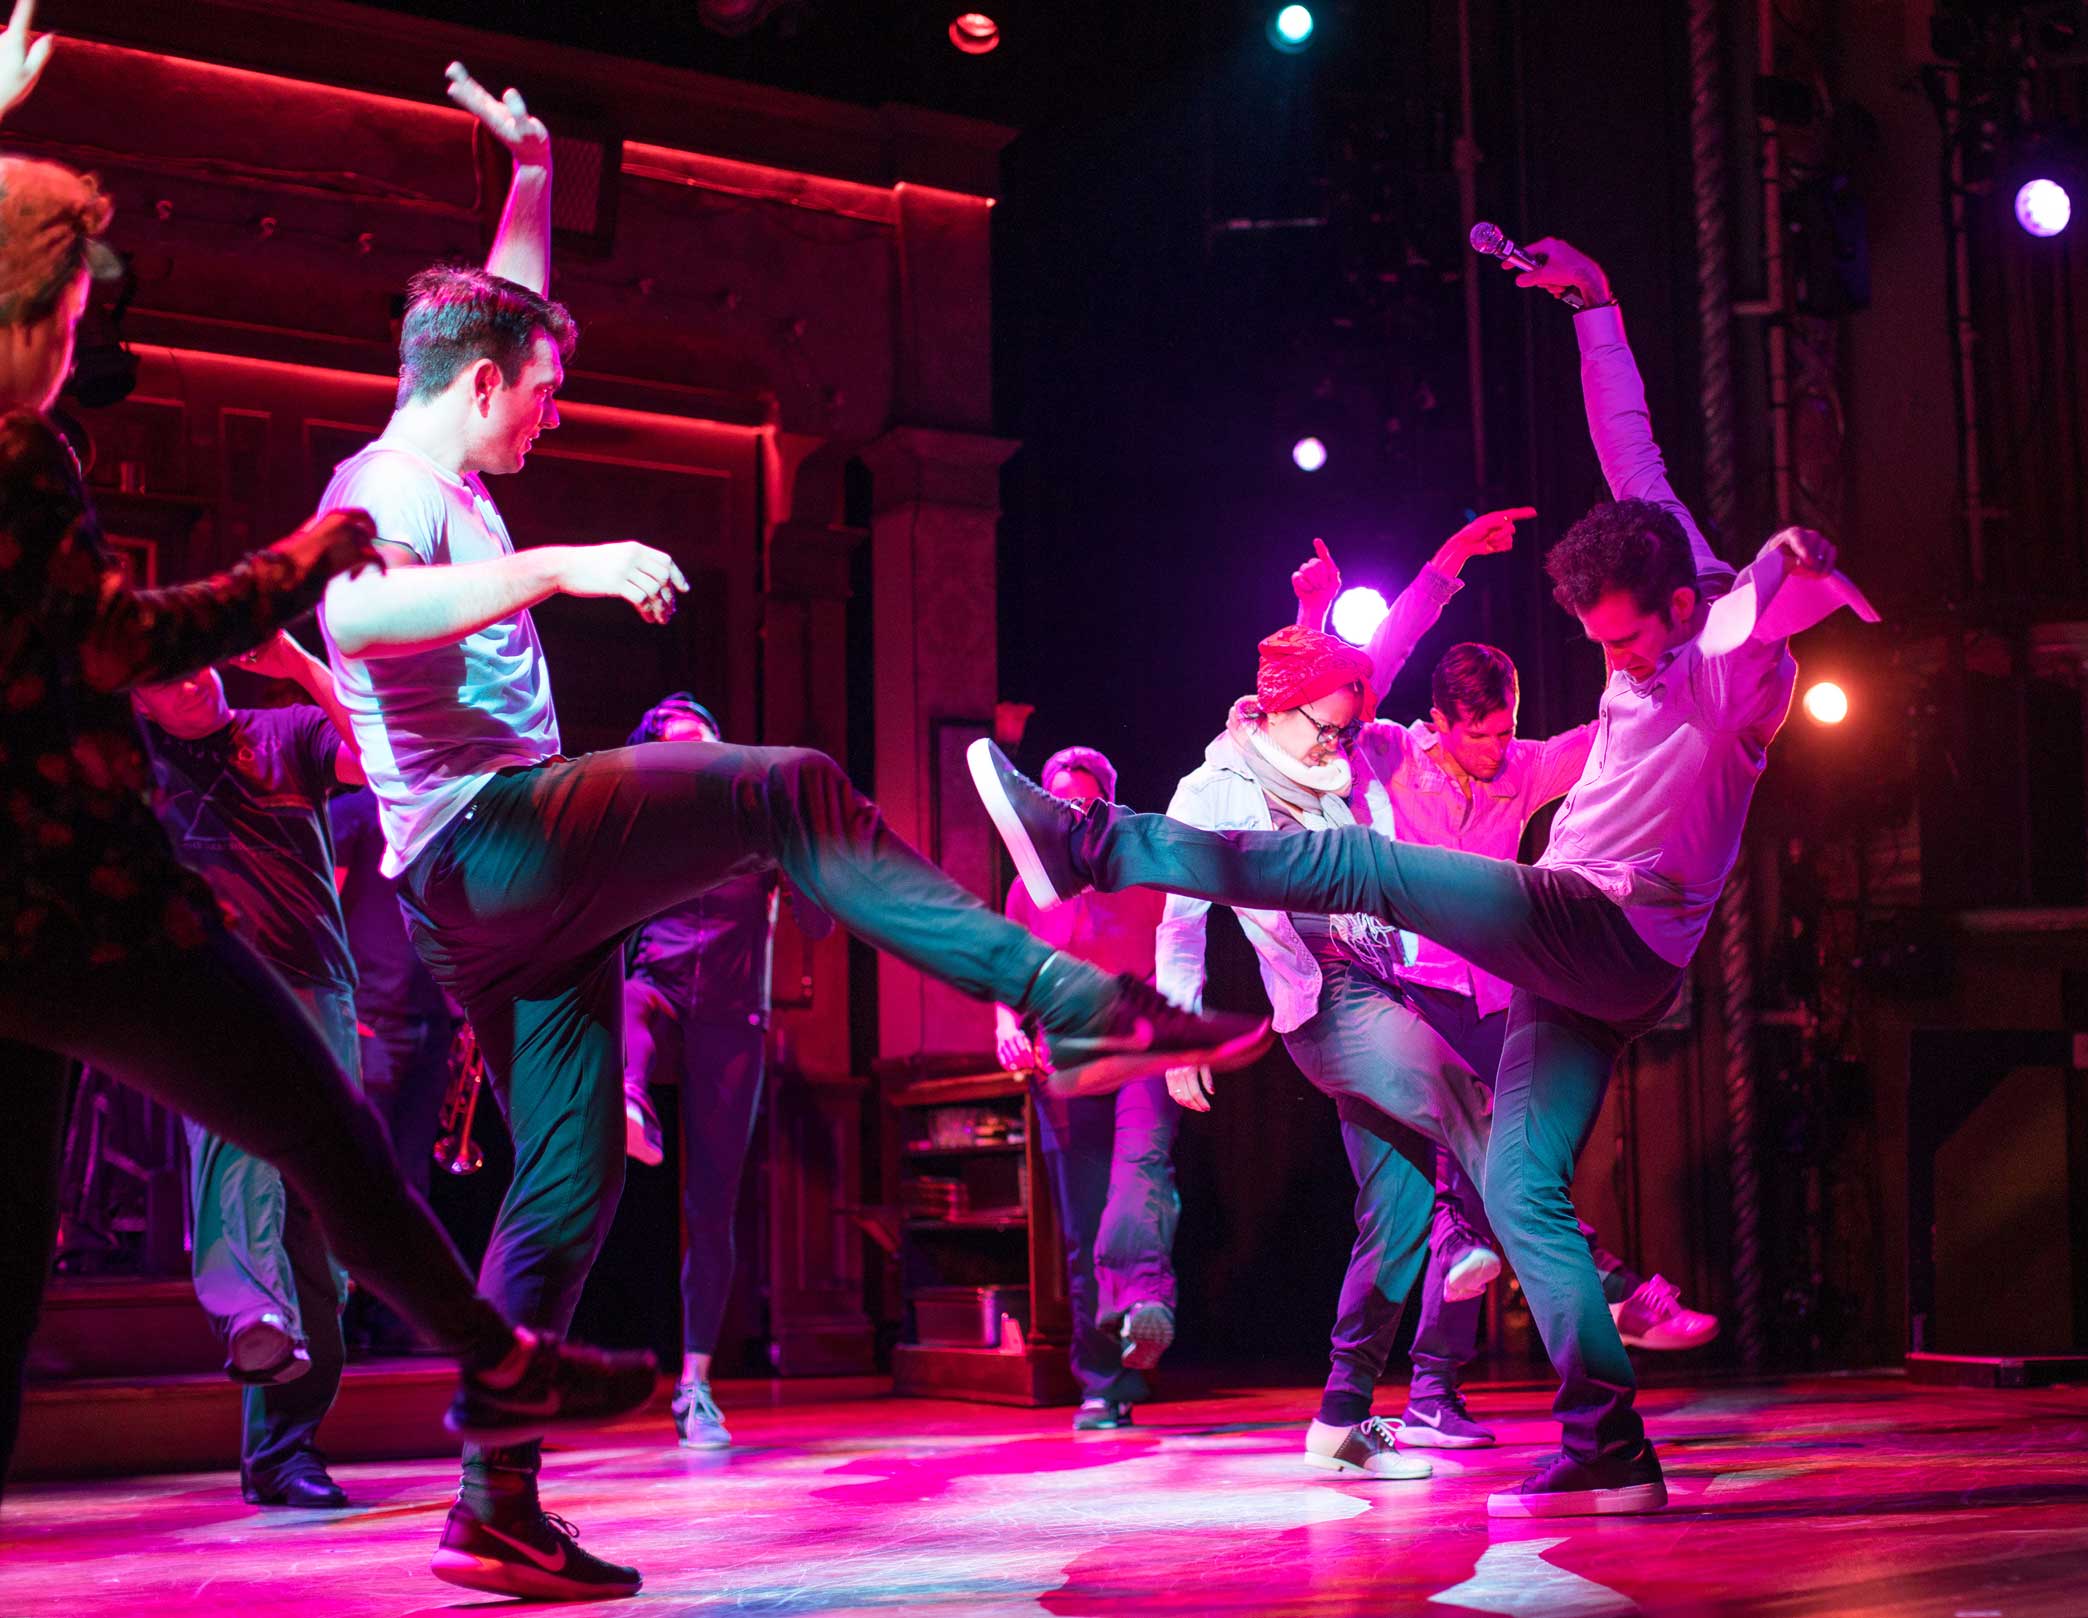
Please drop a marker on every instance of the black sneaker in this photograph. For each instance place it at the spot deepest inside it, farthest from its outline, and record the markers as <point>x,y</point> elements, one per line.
<point>533,1554</point>
<point>312,1489</point>
<point>1137,1030</point>
<point>1042,832</point>
<point>1101,1416</point>
<point>563,1385</point>
<point>1149,1329</point>
<point>1564,1487</point>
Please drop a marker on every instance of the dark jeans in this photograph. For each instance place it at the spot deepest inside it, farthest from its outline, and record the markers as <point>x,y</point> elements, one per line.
<point>1402,1094</point>
<point>1446,1339</point>
<point>718,1063</point>
<point>1585,986</point>
<point>257,1248</point>
<point>213,1034</point>
<point>1111,1160</point>
<point>520,907</point>
<point>405,1076</point>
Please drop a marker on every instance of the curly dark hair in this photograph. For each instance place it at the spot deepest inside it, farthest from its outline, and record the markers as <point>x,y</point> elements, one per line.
<point>1630,545</point>
<point>1472,681</point>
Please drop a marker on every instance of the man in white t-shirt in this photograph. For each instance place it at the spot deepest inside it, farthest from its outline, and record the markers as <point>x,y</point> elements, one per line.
<point>521,871</point>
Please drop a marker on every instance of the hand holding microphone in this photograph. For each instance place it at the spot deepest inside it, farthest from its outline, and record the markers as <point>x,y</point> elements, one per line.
<point>1550,265</point>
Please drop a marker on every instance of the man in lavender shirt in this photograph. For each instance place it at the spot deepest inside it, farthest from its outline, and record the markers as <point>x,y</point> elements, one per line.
<point>1461,778</point>
<point>1594,938</point>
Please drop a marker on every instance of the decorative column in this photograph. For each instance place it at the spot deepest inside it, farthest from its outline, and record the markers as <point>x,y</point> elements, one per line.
<point>935,504</point>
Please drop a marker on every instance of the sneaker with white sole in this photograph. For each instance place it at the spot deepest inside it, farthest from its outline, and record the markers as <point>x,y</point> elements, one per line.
<point>531,1554</point>
<point>1441,1422</point>
<point>698,1422</point>
<point>1101,1416</point>
<point>1149,1329</point>
<point>1564,1487</point>
<point>1364,1450</point>
<point>1653,1318</point>
<point>1475,1269</point>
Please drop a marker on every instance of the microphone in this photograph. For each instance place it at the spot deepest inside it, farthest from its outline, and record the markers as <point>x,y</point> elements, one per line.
<point>1487,238</point>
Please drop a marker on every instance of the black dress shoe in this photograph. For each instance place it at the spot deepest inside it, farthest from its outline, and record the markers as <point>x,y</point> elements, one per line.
<point>311,1491</point>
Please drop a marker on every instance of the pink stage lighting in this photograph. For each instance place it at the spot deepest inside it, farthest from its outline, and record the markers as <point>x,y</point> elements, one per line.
<point>2042,207</point>
<point>1309,454</point>
<point>975,33</point>
<point>1357,614</point>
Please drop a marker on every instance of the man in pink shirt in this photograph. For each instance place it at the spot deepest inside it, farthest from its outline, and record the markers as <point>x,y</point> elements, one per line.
<point>1111,1157</point>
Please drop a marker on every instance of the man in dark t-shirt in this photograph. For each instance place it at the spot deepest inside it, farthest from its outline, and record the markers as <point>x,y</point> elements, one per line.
<point>242,794</point>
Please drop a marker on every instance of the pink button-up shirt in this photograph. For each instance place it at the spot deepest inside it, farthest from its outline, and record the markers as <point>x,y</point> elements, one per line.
<point>1399,777</point>
<point>1428,806</point>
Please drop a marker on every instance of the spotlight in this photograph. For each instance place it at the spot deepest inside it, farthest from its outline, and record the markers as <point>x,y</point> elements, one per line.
<point>1826,703</point>
<point>975,33</point>
<point>2042,206</point>
<point>1308,454</point>
<point>1357,614</point>
<point>1291,28</point>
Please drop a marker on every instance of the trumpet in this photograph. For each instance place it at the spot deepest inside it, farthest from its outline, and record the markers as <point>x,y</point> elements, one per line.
<point>455,1150</point>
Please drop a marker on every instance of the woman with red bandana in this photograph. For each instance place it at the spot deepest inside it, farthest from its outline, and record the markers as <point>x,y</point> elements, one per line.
<point>1283,764</point>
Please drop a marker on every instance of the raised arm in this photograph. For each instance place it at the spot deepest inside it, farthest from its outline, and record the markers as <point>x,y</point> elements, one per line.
<point>522,245</point>
<point>22,58</point>
<point>1615,397</point>
<point>1422,602</point>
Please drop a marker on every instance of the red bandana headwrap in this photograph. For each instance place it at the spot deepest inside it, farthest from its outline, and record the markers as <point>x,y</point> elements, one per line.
<point>1300,665</point>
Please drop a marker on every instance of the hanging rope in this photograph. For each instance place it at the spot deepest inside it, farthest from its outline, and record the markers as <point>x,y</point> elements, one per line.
<point>1707,135</point>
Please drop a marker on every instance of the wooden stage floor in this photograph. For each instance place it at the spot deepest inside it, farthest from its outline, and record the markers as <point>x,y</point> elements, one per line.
<point>1853,1496</point>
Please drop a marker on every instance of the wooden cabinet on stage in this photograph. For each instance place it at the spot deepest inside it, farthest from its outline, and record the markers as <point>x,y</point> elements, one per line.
<point>814,1248</point>
<point>982,1263</point>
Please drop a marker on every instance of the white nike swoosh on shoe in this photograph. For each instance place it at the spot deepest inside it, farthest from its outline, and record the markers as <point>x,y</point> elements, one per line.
<point>549,1565</point>
<point>1001,811</point>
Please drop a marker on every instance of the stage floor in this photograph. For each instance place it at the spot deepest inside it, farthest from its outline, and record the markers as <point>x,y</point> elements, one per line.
<point>1846,1496</point>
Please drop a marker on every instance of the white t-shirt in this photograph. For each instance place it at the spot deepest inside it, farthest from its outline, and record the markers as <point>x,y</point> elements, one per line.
<point>434,726</point>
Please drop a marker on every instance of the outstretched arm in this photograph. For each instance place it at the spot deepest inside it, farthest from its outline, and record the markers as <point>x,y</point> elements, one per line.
<point>1615,398</point>
<point>522,246</point>
<point>55,566</point>
<point>411,607</point>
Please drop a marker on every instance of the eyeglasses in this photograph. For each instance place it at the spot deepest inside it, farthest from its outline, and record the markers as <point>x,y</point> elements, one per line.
<point>1342,736</point>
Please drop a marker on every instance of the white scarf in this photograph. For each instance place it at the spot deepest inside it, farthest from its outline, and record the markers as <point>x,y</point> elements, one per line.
<point>1316,793</point>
